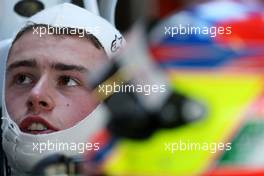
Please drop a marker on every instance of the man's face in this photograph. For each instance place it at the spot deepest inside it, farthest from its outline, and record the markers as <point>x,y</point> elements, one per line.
<point>46,81</point>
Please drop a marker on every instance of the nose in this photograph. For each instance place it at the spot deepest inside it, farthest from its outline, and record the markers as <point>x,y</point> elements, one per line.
<point>40,97</point>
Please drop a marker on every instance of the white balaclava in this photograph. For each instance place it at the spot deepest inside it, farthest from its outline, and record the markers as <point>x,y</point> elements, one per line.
<point>18,146</point>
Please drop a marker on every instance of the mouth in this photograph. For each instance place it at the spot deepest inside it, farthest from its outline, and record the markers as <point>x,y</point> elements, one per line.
<point>36,125</point>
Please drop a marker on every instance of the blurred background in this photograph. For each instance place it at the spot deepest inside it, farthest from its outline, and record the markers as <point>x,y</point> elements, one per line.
<point>224,73</point>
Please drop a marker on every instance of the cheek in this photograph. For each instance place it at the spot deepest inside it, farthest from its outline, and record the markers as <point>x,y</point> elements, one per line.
<point>16,105</point>
<point>76,109</point>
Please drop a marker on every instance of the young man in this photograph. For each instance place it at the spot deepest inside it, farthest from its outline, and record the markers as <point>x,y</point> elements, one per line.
<point>46,98</point>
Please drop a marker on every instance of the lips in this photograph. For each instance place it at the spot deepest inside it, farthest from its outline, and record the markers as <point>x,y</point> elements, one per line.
<point>36,125</point>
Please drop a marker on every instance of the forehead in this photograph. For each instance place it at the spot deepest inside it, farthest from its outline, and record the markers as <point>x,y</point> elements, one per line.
<point>51,48</point>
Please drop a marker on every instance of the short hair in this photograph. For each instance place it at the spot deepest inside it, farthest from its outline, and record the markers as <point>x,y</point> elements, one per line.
<point>61,32</point>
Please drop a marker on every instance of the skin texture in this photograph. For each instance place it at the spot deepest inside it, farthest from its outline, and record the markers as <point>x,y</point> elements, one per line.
<point>51,81</point>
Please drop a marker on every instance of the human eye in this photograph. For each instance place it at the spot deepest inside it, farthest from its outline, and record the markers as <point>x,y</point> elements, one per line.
<point>23,79</point>
<point>67,81</point>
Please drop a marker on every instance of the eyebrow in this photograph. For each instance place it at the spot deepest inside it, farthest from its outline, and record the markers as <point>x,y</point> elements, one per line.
<point>67,67</point>
<point>23,63</point>
<point>56,66</point>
